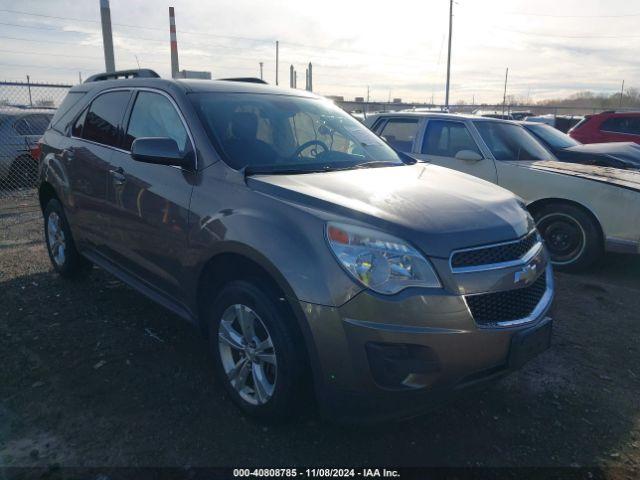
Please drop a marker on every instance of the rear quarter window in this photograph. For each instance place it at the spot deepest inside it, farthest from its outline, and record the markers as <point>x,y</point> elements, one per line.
<point>629,125</point>
<point>67,110</point>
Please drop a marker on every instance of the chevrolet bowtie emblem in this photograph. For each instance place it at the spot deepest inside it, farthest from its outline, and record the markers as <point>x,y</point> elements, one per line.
<point>526,275</point>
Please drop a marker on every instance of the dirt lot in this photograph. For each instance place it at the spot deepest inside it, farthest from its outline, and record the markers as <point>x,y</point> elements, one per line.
<point>93,374</point>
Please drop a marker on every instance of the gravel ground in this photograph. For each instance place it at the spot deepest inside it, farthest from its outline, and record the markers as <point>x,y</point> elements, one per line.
<point>94,374</point>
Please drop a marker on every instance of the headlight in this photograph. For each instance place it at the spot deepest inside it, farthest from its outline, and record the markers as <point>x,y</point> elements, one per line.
<point>379,261</point>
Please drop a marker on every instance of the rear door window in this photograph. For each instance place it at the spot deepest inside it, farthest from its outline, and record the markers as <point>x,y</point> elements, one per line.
<point>445,139</point>
<point>104,117</point>
<point>400,133</point>
<point>153,115</point>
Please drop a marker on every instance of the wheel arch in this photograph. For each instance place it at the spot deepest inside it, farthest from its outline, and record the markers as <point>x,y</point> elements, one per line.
<point>238,261</point>
<point>45,193</point>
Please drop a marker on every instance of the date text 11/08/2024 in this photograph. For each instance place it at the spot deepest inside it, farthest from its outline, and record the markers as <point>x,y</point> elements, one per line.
<point>316,472</point>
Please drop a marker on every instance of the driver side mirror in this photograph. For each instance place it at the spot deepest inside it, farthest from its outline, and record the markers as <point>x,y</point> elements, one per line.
<point>468,156</point>
<point>158,150</point>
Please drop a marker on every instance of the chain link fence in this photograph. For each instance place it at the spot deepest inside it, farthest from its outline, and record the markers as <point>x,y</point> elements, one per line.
<point>25,111</point>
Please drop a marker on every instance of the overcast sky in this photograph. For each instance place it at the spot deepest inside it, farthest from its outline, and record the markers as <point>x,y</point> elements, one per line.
<point>398,48</point>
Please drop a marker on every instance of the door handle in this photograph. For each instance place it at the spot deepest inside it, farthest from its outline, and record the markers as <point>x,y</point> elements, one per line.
<point>118,176</point>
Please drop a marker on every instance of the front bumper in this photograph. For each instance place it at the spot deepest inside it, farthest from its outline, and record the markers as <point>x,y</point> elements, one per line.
<point>384,357</point>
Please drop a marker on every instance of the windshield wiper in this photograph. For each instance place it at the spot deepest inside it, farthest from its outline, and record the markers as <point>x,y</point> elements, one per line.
<point>257,170</point>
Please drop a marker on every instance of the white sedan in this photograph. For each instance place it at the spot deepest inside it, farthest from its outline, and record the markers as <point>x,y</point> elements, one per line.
<point>581,210</point>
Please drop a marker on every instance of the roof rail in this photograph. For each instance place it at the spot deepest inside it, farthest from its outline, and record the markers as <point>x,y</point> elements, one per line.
<point>244,79</point>
<point>136,73</point>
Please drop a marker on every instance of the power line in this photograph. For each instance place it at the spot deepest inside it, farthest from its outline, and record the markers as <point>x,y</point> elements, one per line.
<point>266,41</point>
<point>565,36</point>
<point>527,14</point>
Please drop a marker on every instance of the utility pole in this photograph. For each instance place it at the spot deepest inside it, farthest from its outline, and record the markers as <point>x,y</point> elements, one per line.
<point>80,77</point>
<point>107,37</point>
<point>504,97</point>
<point>277,59</point>
<point>261,65</point>
<point>621,93</point>
<point>446,101</point>
<point>29,88</point>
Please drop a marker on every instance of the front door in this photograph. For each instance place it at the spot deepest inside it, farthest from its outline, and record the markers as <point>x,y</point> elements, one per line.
<point>450,144</point>
<point>149,202</point>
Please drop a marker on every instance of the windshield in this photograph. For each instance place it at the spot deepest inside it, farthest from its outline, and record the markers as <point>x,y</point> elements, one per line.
<point>511,142</point>
<point>266,132</point>
<point>553,136</point>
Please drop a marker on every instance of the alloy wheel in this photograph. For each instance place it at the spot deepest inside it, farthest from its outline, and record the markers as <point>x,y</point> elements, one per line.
<point>56,239</point>
<point>247,354</point>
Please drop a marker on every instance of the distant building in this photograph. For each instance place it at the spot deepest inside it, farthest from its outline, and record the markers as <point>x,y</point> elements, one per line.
<point>359,99</point>
<point>336,98</point>
<point>397,100</point>
<point>194,74</point>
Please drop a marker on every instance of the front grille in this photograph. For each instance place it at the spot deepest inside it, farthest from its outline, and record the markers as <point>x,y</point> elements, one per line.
<point>491,308</point>
<point>494,254</point>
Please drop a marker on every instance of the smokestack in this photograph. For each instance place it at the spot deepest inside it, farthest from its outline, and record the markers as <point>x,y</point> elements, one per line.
<point>107,37</point>
<point>291,76</point>
<point>306,80</point>
<point>277,59</point>
<point>295,79</point>
<point>310,77</point>
<point>175,68</point>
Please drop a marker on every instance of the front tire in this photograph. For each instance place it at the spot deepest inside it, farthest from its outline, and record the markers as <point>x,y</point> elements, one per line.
<point>571,236</point>
<point>64,256</point>
<point>257,353</point>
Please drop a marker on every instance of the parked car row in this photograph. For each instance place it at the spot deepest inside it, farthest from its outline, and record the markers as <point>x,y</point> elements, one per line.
<point>378,273</point>
<point>580,210</point>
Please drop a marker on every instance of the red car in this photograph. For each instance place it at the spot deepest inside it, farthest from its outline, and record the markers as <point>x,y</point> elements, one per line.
<point>608,127</point>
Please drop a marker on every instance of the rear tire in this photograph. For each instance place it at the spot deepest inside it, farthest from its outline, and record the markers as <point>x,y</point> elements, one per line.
<point>261,366</point>
<point>572,237</point>
<point>64,256</point>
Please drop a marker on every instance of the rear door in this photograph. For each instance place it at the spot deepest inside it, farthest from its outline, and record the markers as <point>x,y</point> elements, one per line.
<point>148,203</point>
<point>442,142</point>
<point>96,134</point>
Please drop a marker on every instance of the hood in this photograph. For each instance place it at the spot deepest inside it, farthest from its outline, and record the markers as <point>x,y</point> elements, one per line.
<point>628,178</point>
<point>435,208</point>
<point>617,154</point>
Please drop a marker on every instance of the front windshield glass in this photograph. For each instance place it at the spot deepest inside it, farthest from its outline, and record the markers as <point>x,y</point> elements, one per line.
<point>266,132</point>
<point>511,142</point>
<point>553,136</point>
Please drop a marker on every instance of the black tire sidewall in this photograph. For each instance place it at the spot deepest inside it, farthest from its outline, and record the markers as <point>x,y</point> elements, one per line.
<point>286,345</point>
<point>593,245</point>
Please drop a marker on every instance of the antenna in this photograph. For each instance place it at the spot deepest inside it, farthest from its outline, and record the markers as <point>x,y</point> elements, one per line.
<point>136,56</point>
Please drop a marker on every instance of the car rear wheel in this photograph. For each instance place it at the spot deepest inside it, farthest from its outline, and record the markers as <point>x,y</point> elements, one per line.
<point>64,256</point>
<point>571,236</point>
<point>257,354</point>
